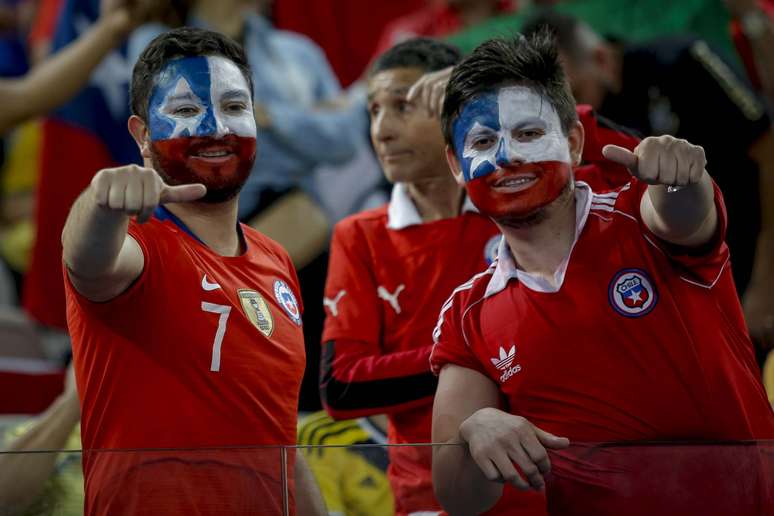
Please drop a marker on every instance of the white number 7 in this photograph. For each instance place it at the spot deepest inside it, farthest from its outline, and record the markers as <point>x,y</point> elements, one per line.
<point>224,312</point>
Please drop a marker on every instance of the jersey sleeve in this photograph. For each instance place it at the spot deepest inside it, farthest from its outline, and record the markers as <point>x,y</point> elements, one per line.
<point>450,345</point>
<point>124,310</point>
<point>703,264</point>
<point>357,377</point>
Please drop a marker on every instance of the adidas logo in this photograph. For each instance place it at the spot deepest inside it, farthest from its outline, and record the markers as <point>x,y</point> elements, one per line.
<point>504,362</point>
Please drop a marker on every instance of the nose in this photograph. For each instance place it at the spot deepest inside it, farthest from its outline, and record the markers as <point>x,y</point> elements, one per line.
<point>505,156</point>
<point>221,129</point>
<point>208,126</point>
<point>382,128</point>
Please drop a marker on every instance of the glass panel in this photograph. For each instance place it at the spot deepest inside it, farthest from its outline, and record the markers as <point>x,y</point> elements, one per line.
<point>664,479</point>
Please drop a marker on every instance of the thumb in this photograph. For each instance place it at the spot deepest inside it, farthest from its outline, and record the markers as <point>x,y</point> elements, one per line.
<point>550,440</point>
<point>182,193</point>
<point>621,156</point>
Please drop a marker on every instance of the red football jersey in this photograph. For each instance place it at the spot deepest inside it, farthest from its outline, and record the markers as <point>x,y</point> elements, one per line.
<point>202,351</point>
<point>640,340</point>
<point>388,276</point>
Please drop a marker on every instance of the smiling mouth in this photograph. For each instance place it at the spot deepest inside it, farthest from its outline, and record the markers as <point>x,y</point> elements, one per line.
<point>516,183</point>
<point>213,155</point>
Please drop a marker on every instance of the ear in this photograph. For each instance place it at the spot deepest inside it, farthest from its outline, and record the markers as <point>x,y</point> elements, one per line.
<point>141,135</point>
<point>454,166</point>
<point>576,138</point>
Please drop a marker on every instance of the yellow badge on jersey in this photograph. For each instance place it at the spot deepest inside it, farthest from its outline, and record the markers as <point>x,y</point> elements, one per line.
<point>257,310</point>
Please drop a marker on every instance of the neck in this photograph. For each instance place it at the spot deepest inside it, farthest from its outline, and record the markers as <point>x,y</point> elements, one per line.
<point>213,224</point>
<point>436,198</point>
<point>540,249</point>
<point>224,16</point>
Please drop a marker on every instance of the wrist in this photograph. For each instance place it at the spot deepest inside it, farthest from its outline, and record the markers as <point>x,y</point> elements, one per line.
<point>117,23</point>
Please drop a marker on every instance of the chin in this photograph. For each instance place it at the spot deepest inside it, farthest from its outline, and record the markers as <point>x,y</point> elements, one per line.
<point>522,221</point>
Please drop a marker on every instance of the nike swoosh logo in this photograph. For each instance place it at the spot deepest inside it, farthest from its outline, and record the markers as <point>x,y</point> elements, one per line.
<point>206,285</point>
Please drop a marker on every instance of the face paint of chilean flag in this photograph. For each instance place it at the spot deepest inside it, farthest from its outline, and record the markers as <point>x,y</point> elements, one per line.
<point>514,156</point>
<point>202,127</point>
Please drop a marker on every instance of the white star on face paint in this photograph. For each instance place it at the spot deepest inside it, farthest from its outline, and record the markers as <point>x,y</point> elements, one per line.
<point>479,156</point>
<point>191,123</point>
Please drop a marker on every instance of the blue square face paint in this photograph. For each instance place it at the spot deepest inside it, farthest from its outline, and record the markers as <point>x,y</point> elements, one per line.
<point>182,82</point>
<point>509,126</point>
<point>482,112</point>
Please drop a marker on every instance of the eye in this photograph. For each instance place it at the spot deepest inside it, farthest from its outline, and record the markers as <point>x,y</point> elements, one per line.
<point>235,107</point>
<point>373,109</point>
<point>404,106</point>
<point>483,142</point>
<point>529,134</point>
<point>186,111</point>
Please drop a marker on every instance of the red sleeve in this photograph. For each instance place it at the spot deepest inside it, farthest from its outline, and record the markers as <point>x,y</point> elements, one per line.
<point>125,308</point>
<point>703,264</point>
<point>449,343</point>
<point>357,378</point>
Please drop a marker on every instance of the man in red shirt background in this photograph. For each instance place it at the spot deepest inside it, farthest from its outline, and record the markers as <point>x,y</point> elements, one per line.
<point>392,267</point>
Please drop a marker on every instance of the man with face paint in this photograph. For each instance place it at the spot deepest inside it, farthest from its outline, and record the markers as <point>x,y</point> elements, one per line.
<point>606,317</point>
<point>185,324</point>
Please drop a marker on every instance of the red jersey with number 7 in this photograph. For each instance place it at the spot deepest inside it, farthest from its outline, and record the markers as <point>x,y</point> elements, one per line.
<point>201,351</point>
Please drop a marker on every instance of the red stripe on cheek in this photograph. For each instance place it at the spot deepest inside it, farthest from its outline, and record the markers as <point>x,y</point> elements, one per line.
<point>551,179</point>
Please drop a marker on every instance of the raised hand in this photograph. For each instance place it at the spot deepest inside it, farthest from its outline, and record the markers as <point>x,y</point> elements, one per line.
<point>499,442</point>
<point>661,160</point>
<point>131,13</point>
<point>136,190</point>
<point>430,90</point>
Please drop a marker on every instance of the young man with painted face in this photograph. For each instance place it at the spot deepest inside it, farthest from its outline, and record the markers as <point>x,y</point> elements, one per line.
<point>606,317</point>
<point>185,324</point>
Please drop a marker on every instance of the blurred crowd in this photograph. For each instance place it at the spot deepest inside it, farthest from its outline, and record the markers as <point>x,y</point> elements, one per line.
<point>702,71</point>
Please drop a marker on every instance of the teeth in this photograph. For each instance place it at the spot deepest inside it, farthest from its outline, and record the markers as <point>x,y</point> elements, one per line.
<point>516,181</point>
<point>215,154</point>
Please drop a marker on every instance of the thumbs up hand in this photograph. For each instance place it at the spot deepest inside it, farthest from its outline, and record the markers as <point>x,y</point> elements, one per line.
<point>662,160</point>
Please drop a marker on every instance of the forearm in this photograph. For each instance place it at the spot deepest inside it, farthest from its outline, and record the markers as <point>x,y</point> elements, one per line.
<point>23,475</point>
<point>459,485</point>
<point>685,217</point>
<point>357,385</point>
<point>92,237</point>
<point>60,77</point>
<point>309,500</point>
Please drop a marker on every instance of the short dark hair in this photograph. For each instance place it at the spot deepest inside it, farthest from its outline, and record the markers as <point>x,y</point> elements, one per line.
<point>427,54</point>
<point>178,43</point>
<point>529,61</point>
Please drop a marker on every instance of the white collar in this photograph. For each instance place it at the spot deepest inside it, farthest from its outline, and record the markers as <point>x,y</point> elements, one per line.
<point>402,212</point>
<point>505,267</point>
